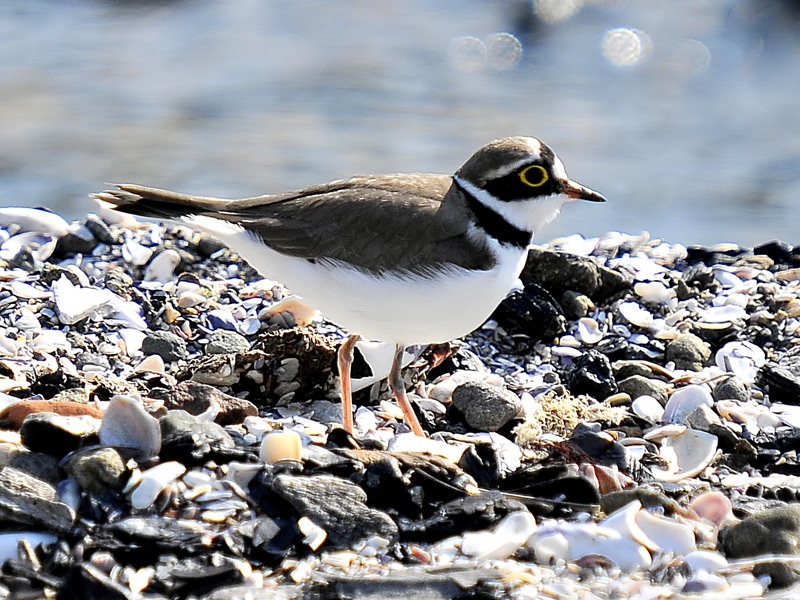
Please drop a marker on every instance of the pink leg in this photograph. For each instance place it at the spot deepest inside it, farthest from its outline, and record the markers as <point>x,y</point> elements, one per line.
<point>345,358</point>
<point>398,388</point>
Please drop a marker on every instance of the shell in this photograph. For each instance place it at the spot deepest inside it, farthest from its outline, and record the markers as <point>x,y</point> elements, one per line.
<point>127,424</point>
<point>154,481</point>
<point>743,359</point>
<point>687,453</point>
<point>686,400</point>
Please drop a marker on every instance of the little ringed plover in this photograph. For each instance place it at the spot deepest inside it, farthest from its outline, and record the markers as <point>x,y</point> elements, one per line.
<point>410,258</point>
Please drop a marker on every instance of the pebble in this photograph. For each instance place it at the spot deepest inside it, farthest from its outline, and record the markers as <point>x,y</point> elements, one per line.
<point>485,407</point>
<point>223,341</point>
<point>165,344</point>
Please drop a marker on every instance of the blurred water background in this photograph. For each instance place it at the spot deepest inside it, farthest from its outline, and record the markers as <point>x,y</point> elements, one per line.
<point>685,113</point>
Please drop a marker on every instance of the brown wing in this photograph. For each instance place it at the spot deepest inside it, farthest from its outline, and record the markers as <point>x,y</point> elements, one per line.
<point>363,221</point>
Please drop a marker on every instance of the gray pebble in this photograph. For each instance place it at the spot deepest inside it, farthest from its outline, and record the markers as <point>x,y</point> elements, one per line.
<point>224,341</point>
<point>166,344</point>
<point>486,407</point>
<point>98,469</point>
<point>575,304</point>
<point>636,386</point>
<point>732,388</point>
<point>688,352</point>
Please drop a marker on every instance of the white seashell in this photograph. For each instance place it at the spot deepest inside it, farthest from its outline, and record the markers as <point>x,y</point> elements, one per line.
<point>315,535</point>
<point>623,521</point>
<point>127,424</point>
<point>162,267</point>
<point>754,416</point>
<point>722,314</point>
<point>25,290</point>
<point>586,539</point>
<point>154,481</point>
<point>743,359</point>
<point>549,548</point>
<point>33,219</point>
<point>788,413</point>
<point>684,401</point>
<point>726,278</point>
<point>280,445</point>
<point>40,245</point>
<point>131,340</point>
<point>151,364</point>
<point>189,299</point>
<point>197,478</point>
<point>507,537</point>
<point>74,303</point>
<point>27,321</point>
<point>635,314</point>
<point>589,331</point>
<point>706,560</point>
<point>648,408</point>
<point>136,254</point>
<point>408,442</point>
<point>250,326</point>
<point>654,291</point>
<point>687,454</point>
<point>9,347</point>
<point>668,534</point>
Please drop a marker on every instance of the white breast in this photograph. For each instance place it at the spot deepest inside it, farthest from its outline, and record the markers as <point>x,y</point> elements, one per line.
<point>391,308</point>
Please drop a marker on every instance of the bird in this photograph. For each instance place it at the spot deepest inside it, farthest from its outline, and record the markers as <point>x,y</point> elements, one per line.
<point>405,258</point>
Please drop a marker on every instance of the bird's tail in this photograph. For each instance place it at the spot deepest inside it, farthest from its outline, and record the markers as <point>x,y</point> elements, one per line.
<point>151,202</point>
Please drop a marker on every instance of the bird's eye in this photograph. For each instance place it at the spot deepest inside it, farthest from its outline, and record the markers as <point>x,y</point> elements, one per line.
<point>534,176</point>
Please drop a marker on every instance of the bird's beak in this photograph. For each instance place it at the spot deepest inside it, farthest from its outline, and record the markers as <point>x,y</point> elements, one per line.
<point>578,192</point>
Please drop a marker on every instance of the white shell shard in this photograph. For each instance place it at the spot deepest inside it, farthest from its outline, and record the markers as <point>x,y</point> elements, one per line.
<point>74,303</point>
<point>132,340</point>
<point>25,290</point>
<point>687,454</point>
<point>648,408</point>
<point>151,364</point>
<point>623,521</point>
<point>743,359</point>
<point>315,535</point>
<point>654,291</point>
<point>705,560</point>
<point>127,424</point>
<point>154,481</point>
<point>584,539</point>
<point>281,445</point>
<point>33,219</point>
<point>723,314</point>
<point>589,331</point>
<point>635,314</point>
<point>136,254</point>
<point>507,537</point>
<point>668,534</point>
<point>714,507</point>
<point>684,401</point>
<point>162,267</point>
<point>9,542</point>
<point>40,245</point>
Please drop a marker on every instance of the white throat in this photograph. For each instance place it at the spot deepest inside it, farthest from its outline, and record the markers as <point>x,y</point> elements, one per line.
<point>528,215</point>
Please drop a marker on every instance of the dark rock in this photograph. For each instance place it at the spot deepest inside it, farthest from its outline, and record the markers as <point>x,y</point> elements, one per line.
<point>272,538</point>
<point>118,281</point>
<point>92,359</point>
<point>57,435</point>
<point>336,505</point>
<point>780,252</point>
<point>192,442</point>
<point>732,388</point>
<point>28,500</point>
<point>532,312</point>
<point>485,407</point>
<point>688,352</point>
<point>781,378</point>
<point>166,344</point>
<point>224,341</point>
<point>51,273</point>
<point>552,489</point>
<point>650,499</point>
<point>558,272</point>
<point>467,513</point>
<point>575,304</point>
<point>101,231</point>
<point>37,464</point>
<point>592,375</point>
<point>600,449</point>
<point>196,398</point>
<point>208,245</point>
<point>79,240</point>
<point>87,582</point>
<point>774,531</point>
<point>636,386</point>
<point>98,469</point>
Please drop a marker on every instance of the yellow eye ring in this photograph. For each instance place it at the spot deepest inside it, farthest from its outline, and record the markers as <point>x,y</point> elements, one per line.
<point>540,176</point>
